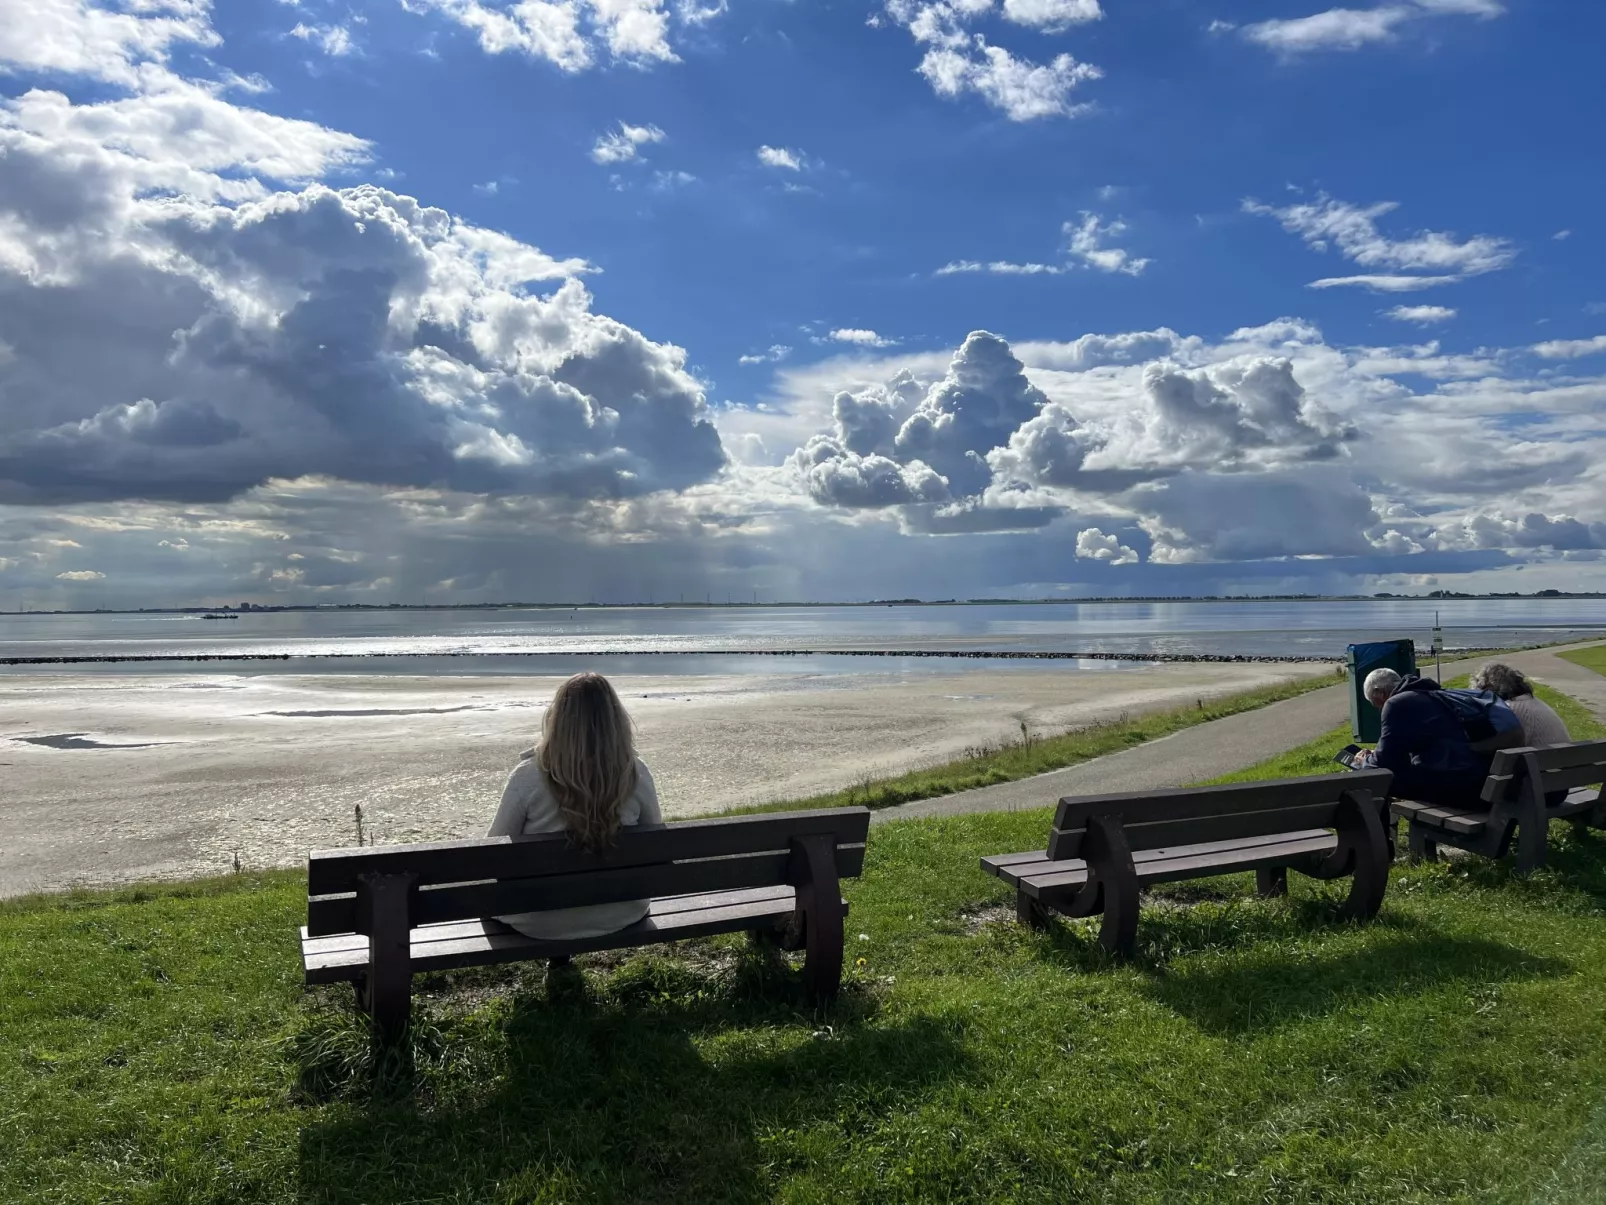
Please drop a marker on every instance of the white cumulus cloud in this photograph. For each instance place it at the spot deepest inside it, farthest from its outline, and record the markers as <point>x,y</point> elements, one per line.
<point>1087,238</point>
<point>1094,545</point>
<point>1354,28</point>
<point>1421,260</point>
<point>773,355</point>
<point>333,40</point>
<point>1570,349</point>
<point>625,143</point>
<point>1422,315</point>
<point>574,35</point>
<point>860,337</point>
<point>999,267</point>
<point>958,61</point>
<point>250,326</point>
<point>781,157</point>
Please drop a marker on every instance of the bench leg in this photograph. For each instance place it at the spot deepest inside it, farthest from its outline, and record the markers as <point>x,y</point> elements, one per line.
<point>1119,932</point>
<point>1368,882</point>
<point>1423,847</point>
<point>1271,881</point>
<point>1109,857</point>
<point>1361,829</point>
<point>385,993</point>
<point>1532,840</point>
<point>1029,912</point>
<point>819,898</point>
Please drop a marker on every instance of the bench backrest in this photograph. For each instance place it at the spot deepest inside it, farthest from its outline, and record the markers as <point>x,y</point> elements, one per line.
<point>495,876</point>
<point>1558,768</point>
<point>1157,819</point>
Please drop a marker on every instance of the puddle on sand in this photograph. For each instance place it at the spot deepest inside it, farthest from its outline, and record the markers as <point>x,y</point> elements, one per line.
<point>79,740</point>
<point>333,712</point>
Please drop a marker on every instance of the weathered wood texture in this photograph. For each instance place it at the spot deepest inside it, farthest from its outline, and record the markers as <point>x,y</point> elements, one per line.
<point>1526,789</point>
<point>377,916</point>
<point>1102,850</point>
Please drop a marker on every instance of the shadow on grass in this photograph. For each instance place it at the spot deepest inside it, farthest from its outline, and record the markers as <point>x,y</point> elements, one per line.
<point>1215,915</point>
<point>1575,864</point>
<point>660,1081</point>
<point>1265,989</point>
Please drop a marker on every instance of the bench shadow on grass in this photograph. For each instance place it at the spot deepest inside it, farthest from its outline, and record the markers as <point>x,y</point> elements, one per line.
<point>1261,973</point>
<point>1269,989</point>
<point>659,1081</point>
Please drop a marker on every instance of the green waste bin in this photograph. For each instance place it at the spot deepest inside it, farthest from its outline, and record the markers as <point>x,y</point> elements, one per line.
<point>1365,721</point>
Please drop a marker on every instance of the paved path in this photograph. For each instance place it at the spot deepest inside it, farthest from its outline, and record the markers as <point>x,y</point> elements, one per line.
<point>1585,685</point>
<point>1222,746</point>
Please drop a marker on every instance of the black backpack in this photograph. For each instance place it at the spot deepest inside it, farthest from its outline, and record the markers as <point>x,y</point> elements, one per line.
<point>1488,720</point>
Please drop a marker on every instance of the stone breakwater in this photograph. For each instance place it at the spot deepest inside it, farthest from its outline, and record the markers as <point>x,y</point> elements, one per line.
<point>976,654</point>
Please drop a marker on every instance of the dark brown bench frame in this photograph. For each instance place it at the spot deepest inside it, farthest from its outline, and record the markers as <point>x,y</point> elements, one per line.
<point>1513,799</point>
<point>1104,849</point>
<point>379,915</point>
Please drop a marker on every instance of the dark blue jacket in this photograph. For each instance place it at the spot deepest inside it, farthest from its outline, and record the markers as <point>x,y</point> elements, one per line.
<point>1421,735</point>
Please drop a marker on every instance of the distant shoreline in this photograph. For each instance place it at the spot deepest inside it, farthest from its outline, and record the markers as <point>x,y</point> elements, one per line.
<point>957,654</point>
<point>735,605</point>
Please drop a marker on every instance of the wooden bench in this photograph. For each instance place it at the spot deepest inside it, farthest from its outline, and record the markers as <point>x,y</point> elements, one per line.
<point>1514,798</point>
<point>378,916</point>
<point>1104,849</point>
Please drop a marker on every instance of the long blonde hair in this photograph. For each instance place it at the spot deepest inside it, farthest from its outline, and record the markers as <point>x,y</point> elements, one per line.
<point>589,759</point>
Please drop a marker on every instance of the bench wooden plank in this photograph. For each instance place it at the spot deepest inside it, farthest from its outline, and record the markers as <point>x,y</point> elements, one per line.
<point>1181,803</point>
<point>783,896</point>
<point>1198,814</point>
<point>333,872</point>
<point>1142,834</point>
<point>1188,862</point>
<point>479,943</point>
<point>1468,821</point>
<point>1013,867</point>
<point>463,901</point>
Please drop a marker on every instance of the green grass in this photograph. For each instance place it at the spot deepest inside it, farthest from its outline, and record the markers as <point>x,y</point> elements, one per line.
<point>1008,761</point>
<point>1593,657</point>
<point>155,1046</point>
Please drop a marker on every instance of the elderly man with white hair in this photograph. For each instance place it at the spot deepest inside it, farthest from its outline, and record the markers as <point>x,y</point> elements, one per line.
<point>1423,742</point>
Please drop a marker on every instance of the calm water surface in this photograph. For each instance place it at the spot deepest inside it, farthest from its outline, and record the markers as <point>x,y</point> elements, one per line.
<point>638,639</point>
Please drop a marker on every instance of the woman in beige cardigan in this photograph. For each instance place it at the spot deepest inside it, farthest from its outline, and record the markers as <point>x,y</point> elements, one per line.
<point>584,779</point>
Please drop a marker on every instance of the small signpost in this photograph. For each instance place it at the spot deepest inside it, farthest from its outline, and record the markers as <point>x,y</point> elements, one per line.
<point>1438,649</point>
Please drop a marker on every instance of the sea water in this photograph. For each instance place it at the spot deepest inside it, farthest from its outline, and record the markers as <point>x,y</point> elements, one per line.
<point>811,640</point>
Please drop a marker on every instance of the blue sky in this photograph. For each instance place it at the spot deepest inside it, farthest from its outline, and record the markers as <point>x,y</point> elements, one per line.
<point>1471,124</point>
<point>1341,270</point>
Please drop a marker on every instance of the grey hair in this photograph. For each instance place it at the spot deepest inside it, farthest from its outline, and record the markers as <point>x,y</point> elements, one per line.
<point>1381,682</point>
<point>1502,680</point>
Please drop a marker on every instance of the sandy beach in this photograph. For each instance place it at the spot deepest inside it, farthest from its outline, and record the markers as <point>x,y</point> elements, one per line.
<point>112,778</point>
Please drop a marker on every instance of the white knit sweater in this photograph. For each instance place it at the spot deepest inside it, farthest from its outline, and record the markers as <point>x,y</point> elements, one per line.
<point>528,806</point>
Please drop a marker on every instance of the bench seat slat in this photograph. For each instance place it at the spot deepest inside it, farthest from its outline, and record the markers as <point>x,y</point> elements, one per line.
<point>1472,821</point>
<point>1037,876</point>
<point>1469,821</point>
<point>1013,867</point>
<point>342,957</point>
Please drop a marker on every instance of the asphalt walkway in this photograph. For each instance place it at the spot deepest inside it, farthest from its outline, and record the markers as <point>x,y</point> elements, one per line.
<point>1222,746</point>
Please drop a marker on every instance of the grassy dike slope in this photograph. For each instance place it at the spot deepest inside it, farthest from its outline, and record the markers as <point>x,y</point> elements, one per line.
<point>155,1046</point>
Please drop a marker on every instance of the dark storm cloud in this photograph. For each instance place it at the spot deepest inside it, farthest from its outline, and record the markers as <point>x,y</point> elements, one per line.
<point>354,335</point>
